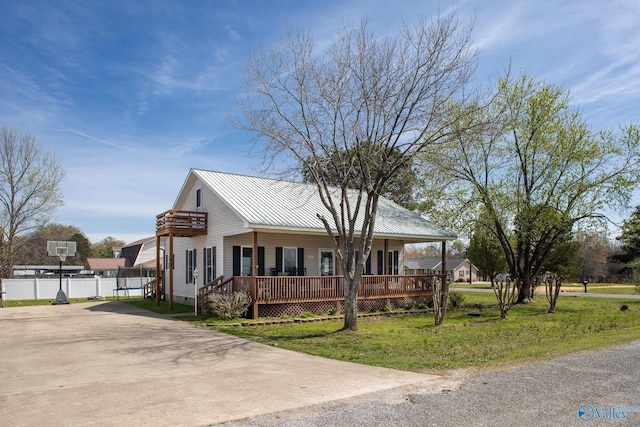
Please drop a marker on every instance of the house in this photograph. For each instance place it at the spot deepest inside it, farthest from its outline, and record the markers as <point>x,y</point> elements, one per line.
<point>263,236</point>
<point>105,267</point>
<point>458,269</point>
<point>138,257</point>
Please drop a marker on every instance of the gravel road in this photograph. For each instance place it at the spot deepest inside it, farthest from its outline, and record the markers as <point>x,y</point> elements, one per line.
<point>595,388</point>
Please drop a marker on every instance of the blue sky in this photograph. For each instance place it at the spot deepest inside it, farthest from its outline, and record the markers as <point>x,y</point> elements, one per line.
<point>131,94</point>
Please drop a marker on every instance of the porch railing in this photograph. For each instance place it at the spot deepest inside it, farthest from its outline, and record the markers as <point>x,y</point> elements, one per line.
<point>283,289</point>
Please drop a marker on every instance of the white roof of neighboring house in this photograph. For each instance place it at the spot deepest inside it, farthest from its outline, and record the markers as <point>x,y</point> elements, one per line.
<point>433,263</point>
<point>264,203</point>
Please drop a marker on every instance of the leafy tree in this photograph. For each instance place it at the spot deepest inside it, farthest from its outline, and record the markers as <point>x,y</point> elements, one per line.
<point>564,259</point>
<point>537,169</point>
<point>485,252</point>
<point>354,116</point>
<point>104,248</point>
<point>29,192</point>
<point>83,247</point>
<point>630,238</point>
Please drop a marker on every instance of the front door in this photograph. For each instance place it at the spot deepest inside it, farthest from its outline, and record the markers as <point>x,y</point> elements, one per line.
<point>246,261</point>
<point>326,262</point>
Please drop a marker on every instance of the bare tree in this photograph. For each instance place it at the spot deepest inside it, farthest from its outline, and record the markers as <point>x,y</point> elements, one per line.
<point>29,191</point>
<point>355,115</point>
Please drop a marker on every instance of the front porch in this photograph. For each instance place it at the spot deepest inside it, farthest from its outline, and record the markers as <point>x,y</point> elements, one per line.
<point>274,296</point>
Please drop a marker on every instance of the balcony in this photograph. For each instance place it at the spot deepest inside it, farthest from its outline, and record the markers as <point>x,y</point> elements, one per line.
<point>181,223</point>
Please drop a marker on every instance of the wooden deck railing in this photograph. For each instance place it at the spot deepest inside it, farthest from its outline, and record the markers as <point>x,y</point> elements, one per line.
<point>284,289</point>
<point>185,223</point>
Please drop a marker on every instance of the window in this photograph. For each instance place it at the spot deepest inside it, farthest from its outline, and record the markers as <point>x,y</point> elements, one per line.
<point>199,199</point>
<point>190,264</point>
<point>209,264</point>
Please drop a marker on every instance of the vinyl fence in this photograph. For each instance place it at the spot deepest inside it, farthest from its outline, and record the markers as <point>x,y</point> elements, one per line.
<point>19,289</point>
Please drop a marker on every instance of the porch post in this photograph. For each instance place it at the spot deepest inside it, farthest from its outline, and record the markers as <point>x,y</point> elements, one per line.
<point>443,269</point>
<point>171,267</point>
<point>158,271</point>
<point>385,262</point>
<point>254,276</point>
<point>254,256</point>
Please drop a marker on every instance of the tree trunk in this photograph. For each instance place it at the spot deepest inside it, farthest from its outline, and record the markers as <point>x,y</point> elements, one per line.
<point>351,305</point>
<point>524,290</point>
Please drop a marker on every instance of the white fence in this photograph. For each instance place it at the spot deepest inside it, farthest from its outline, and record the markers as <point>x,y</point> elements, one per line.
<point>19,289</point>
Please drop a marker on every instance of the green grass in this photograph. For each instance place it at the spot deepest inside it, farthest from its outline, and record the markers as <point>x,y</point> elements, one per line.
<point>413,343</point>
<point>49,301</point>
<point>150,305</point>
<point>601,288</point>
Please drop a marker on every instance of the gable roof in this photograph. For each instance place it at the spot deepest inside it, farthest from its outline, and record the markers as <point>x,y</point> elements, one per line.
<point>271,204</point>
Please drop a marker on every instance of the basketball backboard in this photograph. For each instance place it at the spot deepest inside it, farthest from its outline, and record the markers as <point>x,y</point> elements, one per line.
<point>58,249</point>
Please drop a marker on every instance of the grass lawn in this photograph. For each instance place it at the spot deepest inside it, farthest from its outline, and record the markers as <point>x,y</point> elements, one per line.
<point>412,343</point>
<point>49,301</point>
<point>596,288</point>
<point>150,305</point>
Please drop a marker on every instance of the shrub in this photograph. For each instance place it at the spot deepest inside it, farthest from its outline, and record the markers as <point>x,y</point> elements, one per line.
<point>228,305</point>
<point>456,299</point>
<point>333,312</point>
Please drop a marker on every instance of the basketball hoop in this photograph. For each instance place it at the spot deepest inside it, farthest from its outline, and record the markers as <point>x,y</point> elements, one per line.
<point>62,253</point>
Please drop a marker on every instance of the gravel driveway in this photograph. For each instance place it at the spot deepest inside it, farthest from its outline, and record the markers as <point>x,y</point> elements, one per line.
<point>603,386</point>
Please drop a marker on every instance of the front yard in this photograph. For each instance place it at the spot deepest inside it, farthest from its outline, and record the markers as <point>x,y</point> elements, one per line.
<point>411,342</point>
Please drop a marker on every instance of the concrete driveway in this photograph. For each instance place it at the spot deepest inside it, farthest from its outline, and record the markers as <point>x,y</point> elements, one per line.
<point>108,363</point>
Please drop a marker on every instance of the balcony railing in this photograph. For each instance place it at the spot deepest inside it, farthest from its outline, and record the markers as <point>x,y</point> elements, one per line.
<point>181,223</point>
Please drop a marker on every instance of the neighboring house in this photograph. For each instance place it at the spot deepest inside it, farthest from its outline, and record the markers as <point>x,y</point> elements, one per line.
<point>139,255</point>
<point>262,233</point>
<point>106,267</point>
<point>458,269</point>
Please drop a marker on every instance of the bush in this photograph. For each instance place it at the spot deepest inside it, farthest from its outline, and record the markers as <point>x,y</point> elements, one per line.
<point>456,299</point>
<point>228,305</point>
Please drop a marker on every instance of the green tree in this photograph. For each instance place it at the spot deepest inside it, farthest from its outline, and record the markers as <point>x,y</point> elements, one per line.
<point>83,247</point>
<point>370,102</point>
<point>104,248</point>
<point>29,192</point>
<point>537,169</point>
<point>630,238</point>
<point>485,252</point>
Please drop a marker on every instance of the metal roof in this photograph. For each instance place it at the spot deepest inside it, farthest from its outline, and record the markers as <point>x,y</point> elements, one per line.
<point>264,203</point>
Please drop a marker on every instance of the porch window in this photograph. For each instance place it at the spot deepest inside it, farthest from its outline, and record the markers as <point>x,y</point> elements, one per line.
<point>209,263</point>
<point>190,260</point>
